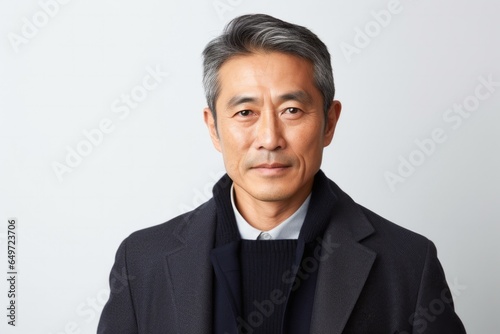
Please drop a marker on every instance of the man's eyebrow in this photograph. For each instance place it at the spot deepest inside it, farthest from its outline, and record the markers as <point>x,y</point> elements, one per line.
<point>240,99</point>
<point>299,96</point>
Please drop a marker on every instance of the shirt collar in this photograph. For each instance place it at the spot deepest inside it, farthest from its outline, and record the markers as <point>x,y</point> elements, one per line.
<point>288,229</point>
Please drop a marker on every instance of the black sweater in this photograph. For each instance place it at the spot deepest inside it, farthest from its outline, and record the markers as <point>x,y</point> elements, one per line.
<point>273,280</point>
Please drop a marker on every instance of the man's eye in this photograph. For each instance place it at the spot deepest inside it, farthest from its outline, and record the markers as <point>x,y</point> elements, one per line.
<point>292,110</point>
<point>245,112</point>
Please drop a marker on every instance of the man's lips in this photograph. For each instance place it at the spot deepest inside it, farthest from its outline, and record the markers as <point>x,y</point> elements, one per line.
<point>271,165</point>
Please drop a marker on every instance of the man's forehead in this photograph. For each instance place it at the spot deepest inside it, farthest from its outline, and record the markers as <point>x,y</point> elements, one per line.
<point>243,77</point>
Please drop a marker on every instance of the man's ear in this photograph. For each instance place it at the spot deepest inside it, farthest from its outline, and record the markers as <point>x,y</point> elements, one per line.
<point>331,121</point>
<point>212,128</point>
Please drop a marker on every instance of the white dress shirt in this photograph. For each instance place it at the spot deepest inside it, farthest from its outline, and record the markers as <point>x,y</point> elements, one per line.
<point>288,229</point>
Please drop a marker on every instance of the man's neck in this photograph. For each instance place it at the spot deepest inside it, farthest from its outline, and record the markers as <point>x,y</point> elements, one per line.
<point>266,215</point>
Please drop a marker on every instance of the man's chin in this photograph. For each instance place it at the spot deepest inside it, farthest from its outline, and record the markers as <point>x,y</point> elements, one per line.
<point>270,191</point>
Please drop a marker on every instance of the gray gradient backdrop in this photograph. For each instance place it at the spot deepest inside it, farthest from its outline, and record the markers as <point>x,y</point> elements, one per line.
<point>417,106</point>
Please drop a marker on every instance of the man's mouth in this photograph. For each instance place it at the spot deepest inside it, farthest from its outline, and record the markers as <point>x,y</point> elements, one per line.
<point>272,165</point>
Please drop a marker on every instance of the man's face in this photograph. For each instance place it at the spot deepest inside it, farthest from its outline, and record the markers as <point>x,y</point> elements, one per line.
<point>271,126</point>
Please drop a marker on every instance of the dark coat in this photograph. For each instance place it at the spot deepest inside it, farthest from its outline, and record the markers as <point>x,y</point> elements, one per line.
<point>378,278</point>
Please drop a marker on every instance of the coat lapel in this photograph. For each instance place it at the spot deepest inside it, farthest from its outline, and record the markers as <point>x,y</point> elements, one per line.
<point>345,266</point>
<point>190,273</point>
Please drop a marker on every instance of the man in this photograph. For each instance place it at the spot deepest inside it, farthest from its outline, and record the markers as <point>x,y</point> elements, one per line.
<point>279,248</point>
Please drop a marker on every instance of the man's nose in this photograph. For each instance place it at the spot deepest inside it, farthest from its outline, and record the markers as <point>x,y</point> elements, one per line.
<point>270,132</point>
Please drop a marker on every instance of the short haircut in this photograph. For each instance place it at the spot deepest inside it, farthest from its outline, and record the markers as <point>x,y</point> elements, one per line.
<point>248,34</point>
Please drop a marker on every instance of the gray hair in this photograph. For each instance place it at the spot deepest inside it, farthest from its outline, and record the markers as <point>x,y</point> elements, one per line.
<point>247,34</point>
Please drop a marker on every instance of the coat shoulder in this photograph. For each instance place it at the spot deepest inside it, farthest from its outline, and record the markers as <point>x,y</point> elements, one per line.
<point>396,244</point>
<point>387,228</point>
<point>171,234</point>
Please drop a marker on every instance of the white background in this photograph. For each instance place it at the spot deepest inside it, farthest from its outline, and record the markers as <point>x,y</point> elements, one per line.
<point>158,161</point>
